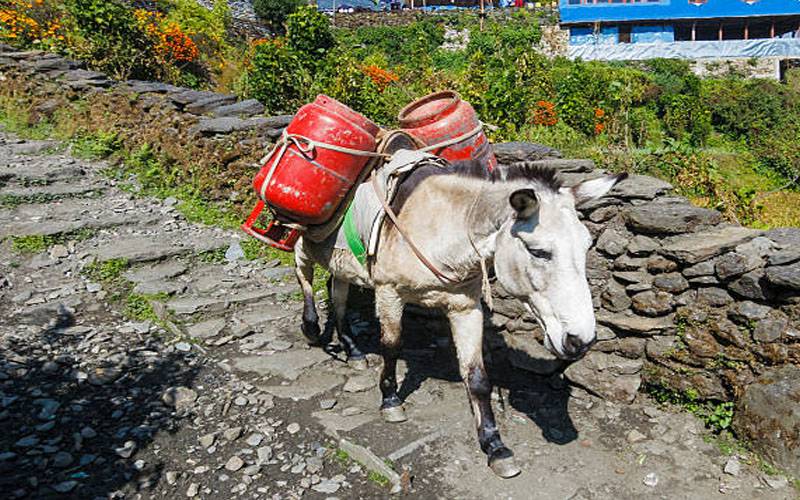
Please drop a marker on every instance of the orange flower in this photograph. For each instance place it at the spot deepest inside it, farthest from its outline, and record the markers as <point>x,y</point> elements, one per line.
<point>382,78</point>
<point>545,114</point>
<point>599,113</point>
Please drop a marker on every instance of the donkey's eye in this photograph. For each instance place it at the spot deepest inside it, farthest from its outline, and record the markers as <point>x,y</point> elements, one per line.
<point>538,253</point>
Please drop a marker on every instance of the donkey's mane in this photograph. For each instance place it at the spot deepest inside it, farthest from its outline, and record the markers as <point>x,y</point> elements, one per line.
<point>545,177</point>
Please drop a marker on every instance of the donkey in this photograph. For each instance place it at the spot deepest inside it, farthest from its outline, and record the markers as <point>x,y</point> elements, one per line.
<point>521,219</point>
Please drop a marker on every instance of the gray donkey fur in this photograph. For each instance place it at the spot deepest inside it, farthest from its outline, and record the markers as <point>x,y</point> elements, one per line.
<point>518,218</point>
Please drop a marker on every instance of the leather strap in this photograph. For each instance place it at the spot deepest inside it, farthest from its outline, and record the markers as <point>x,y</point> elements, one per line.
<point>427,263</point>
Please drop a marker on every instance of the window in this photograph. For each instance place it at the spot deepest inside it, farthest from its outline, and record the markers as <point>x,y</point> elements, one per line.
<point>625,34</point>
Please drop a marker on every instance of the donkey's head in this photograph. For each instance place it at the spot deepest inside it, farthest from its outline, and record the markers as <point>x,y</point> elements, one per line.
<point>540,258</point>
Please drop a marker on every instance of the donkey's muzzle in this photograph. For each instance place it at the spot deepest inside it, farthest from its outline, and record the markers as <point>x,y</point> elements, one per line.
<point>574,347</point>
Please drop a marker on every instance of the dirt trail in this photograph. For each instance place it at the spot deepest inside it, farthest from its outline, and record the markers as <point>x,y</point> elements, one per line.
<point>221,397</point>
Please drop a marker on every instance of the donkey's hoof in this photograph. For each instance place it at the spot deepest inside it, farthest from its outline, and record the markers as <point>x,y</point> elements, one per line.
<point>394,414</point>
<point>312,333</point>
<point>502,464</point>
<point>358,364</point>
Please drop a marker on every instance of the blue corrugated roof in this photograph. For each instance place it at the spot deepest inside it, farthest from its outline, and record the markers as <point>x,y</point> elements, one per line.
<point>648,10</point>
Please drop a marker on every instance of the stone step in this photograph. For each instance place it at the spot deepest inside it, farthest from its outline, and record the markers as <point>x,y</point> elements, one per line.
<point>55,227</point>
<point>147,248</point>
<point>11,195</point>
<point>25,175</point>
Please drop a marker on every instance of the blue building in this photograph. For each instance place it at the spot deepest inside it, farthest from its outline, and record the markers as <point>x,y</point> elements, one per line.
<point>686,29</point>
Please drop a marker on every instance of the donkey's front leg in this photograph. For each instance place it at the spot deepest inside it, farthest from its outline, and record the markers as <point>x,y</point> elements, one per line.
<point>467,329</point>
<point>304,271</point>
<point>389,308</point>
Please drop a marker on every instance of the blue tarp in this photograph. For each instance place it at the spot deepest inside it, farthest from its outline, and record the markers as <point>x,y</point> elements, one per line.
<point>652,34</point>
<point>777,47</point>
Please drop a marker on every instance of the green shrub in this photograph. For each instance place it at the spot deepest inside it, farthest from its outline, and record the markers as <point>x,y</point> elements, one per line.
<point>276,76</point>
<point>342,78</point>
<point>309,35</point>
<point>110,39</point>
<point>275,12</point>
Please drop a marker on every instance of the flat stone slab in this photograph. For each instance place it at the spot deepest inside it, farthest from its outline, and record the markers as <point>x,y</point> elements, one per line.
<point>207,329</point>
<point>308,385</point>
<point>642,187</point>
<point>150,248</point>
<point>511,152</point>
<point>52,190</point>
<point>264,313</point>
<point>335,422</point>
<point>697,247</point>
<point>50,227</point>
<point>193,305</point>
<point>608,375</point>
<point>160,271</point>
<point>249,107</point>
<point>669,218</point>
<point>635,324</point>
<point>287,364</point>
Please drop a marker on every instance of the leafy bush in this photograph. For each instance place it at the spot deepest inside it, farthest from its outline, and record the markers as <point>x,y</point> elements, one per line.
<point>275,12</point>
<point>275,76</point>
<point>111,39</point>
<point>309,34</point>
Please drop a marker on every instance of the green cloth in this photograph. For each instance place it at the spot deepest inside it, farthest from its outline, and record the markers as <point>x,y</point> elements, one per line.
<point>353,238</point>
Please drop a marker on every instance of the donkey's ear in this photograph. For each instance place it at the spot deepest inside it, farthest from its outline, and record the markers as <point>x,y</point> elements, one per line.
<point>595,188</point>
<point>524,202</point>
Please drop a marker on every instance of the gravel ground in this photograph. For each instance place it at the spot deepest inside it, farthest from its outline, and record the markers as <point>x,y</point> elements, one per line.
<point>211,391</point>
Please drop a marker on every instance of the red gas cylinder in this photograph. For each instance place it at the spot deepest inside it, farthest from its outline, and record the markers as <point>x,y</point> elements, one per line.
<point>446,120</point>
<point>309,173</point>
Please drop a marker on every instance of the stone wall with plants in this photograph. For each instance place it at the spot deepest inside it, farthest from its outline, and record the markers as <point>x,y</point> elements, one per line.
<point>689,307</point>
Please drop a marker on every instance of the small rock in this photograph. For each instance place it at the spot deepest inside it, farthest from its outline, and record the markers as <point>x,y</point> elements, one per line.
<point>179,397</point>
<point>126,450</point>
<point>251,470</point>
<point>352,411</point>
<point>93,287</point>
<point>293,428</point>
<point>240,401</point>
<point>650,480</point>
<point>27,442</point>
<point>62,459</point>
<point>264,454</point>
<point>65,486</point>
<point>183,346</point>
<point>360,383</point>
<point>733,466</point>
<point>88,433</point>
<point>776,482</point>
<point>326,486</point>
<point>207,441</point>
<point>634,436</point>
<point>234,252</point>
<point>170,201</point>
<point>232,434</point>
<point>59,252</point>
<point>234,463</point>
<point>255,439</point>
<point>327,404</point>
<point>171,476</point>
<point>192,490</point>
<point>314,465</point>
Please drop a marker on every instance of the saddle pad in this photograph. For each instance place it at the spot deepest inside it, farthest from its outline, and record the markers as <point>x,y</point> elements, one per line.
<point>366,211</point>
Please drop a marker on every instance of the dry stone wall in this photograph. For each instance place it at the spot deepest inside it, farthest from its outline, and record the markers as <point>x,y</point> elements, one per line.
<point>684,300</point>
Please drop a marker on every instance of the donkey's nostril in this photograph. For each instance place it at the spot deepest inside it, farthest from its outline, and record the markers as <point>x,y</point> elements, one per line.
<point>573,345</point>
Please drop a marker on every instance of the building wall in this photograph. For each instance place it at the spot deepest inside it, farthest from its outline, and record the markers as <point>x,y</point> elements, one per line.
<point>573,12</point>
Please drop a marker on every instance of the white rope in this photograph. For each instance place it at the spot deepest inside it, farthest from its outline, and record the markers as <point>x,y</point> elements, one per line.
<point>306,147</point>
<point>455,140</point>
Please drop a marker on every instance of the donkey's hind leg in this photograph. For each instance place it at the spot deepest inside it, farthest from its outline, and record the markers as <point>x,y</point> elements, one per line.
<point>389,308</point>
<point>304,270</point>
<point>339,291</point>
<point>467,329</point>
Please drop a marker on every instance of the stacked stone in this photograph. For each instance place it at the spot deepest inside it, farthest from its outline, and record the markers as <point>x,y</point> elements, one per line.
<point>684,301</point>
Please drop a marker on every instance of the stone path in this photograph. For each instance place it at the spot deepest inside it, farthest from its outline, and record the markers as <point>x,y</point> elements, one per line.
<point>136,361</point>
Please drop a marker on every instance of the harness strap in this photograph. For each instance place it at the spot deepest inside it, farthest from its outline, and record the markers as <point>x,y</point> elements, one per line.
<point>455,140</point>
<point>353,238</point>
<point>427,263</point>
